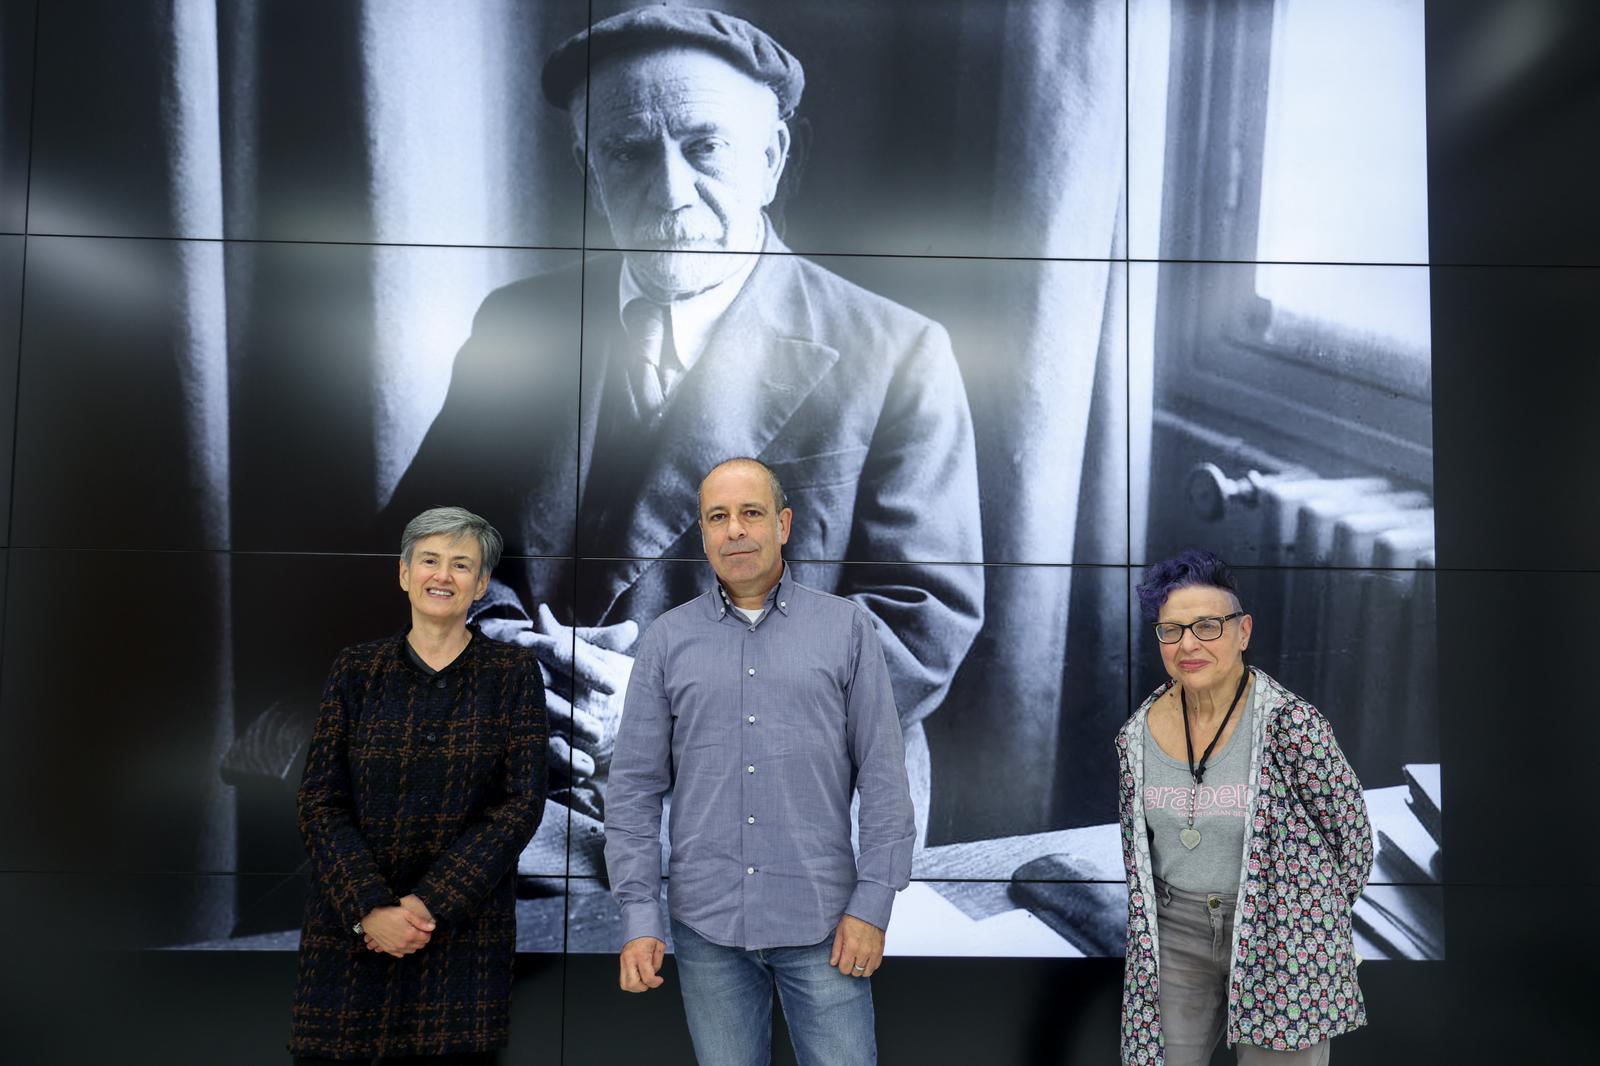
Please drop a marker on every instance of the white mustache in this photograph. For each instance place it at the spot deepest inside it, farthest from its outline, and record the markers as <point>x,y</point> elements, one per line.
<point>676,231</point>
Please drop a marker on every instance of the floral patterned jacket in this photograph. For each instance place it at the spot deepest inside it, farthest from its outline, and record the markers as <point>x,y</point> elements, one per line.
<point>1306,858</point>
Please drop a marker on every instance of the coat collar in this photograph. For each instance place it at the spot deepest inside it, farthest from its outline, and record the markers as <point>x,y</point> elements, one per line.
<point>406,657</point>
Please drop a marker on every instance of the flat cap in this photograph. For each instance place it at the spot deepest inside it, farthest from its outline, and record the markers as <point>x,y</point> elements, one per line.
<point>744,46</point>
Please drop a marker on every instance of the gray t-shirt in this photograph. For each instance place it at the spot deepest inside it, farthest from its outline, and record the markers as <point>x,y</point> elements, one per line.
<point>1220,810</point>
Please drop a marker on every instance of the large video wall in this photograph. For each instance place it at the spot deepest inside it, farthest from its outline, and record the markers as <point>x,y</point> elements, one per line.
<point>1049,289</point>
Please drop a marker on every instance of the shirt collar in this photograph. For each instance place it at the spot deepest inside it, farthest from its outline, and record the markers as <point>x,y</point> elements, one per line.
<point>777,596</point>
<point>693,317</point>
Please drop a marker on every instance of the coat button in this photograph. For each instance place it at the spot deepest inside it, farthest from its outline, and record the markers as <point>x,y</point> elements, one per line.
<point>439,684</point>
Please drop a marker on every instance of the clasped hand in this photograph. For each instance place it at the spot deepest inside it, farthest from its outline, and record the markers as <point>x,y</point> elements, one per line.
<point>398,931</point>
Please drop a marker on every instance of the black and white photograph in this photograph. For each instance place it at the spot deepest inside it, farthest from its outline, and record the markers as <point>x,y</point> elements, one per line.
<point>1014,298</point>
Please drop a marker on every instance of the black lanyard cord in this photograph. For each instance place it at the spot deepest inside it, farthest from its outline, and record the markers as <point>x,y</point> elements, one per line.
<point>1199,772</point>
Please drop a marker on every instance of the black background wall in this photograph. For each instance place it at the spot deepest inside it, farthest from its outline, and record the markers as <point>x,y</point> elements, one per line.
<point>1513,102</point>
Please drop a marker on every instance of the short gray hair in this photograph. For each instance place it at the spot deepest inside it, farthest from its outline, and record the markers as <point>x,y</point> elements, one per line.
<point>779,498</point>
<point>452,522</point>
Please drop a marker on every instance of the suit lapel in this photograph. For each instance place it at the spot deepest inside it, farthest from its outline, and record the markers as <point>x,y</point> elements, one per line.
<point>758,368</point>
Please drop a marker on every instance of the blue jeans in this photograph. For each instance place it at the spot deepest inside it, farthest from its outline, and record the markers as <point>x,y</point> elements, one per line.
<point>727,995</point>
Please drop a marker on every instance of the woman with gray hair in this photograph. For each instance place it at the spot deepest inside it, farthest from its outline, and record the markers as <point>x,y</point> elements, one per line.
<point>1246,842</point>
<point>425,780</point>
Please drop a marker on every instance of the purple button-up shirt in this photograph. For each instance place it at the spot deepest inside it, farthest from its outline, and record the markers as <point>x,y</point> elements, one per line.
<point>762,731</point>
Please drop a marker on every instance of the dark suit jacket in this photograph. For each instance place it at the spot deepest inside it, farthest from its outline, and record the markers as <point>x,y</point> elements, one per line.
<point>855,402</point>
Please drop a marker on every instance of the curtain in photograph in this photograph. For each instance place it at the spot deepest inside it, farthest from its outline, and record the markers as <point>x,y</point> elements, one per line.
<point>306,374</point>
<point>452,94</point>
<point>1052,429</point>
<point>398,127</point>
<point>176,363</point>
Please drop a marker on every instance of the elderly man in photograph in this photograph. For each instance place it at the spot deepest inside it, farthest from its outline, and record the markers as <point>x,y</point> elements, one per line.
<point>704,337</point>
<point>763,706</point>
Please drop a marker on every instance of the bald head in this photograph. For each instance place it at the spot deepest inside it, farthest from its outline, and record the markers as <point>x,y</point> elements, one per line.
<point>743,528</point>
<point>744,462</point>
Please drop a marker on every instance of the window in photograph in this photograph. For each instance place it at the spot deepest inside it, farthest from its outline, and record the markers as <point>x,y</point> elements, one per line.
<point>1344,179</point>
<point>1296,172</point>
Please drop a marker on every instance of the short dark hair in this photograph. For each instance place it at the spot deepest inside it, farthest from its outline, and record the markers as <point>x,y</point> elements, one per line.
<point>779,499</point>
<point>1189,568</point>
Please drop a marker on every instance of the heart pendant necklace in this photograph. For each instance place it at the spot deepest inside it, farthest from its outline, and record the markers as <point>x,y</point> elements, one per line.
<point>1189,836</point>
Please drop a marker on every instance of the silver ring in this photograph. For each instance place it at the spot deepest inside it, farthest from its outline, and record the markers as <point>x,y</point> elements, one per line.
<point>859,968</point>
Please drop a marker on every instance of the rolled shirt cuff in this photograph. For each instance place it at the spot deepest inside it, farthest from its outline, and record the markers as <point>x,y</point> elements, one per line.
<point>871,902</point>
<point>642,919</point>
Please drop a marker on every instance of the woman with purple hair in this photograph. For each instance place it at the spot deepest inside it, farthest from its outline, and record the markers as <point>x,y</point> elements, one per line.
<point>1246,842</point>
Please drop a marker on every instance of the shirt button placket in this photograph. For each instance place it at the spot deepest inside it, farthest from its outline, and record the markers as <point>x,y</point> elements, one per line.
<point>752,675</point>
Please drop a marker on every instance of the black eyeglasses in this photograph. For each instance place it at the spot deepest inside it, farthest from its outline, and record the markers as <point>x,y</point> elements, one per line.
<point>1204,628</point>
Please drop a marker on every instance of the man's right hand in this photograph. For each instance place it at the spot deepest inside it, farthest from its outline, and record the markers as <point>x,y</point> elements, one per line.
<point>396,931</point>
<point>641,958</point>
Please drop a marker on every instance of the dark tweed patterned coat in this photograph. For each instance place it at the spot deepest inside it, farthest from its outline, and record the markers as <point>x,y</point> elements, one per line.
<point>424,784</point>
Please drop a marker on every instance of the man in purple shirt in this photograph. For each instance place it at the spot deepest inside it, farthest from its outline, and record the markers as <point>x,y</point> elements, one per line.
<point>763,706</point>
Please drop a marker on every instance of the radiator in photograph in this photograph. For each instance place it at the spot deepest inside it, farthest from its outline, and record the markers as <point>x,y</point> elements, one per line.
<point>1343,600</point>
<point>1342,591</point>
